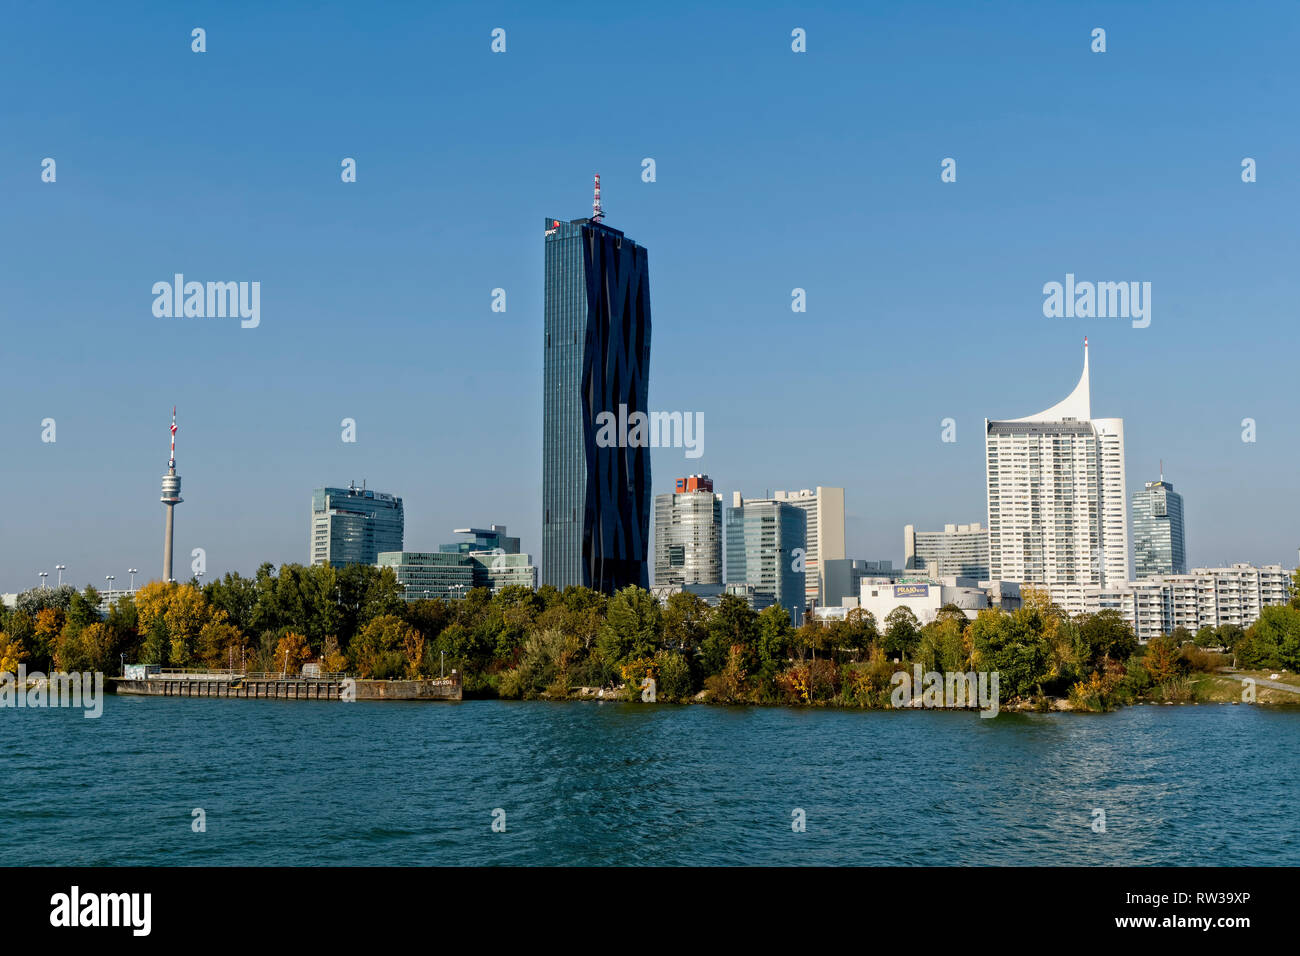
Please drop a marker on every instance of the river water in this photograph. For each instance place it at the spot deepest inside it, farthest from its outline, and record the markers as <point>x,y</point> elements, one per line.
<point>282,782</point>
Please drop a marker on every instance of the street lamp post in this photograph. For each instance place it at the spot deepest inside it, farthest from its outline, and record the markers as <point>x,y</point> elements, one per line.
<point>133,572</point>
<point>44,575</point>
<point>110,579</point>
<point>60,568</point>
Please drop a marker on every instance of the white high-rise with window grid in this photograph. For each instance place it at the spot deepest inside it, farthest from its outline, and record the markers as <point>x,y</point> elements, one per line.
<point>1058,515</point>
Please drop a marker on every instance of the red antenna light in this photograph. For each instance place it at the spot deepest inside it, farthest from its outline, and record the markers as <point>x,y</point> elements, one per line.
<point>597,214</point>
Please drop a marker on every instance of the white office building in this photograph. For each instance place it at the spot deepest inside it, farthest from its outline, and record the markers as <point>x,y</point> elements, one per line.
<point>959,549</point>
<point>1058,514</point>
<point>926,597</point>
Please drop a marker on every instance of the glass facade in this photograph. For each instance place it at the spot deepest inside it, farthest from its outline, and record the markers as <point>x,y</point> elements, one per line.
<point>688,538</point>
<point>483,539</point>
<point>1158,543</point>
<point>766,552</point>
<point>595,500</point>
<point>450,575</point>
<point>498,569</point>
<point>353,525</point>
<point>425,575</point>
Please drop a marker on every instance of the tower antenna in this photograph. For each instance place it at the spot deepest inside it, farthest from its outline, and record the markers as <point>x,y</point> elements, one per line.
<point>597,214</point>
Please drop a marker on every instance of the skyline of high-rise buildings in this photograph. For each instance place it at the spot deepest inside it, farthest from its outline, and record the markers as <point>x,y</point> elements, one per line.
<point>596,496</point>
<point>1055,480</point>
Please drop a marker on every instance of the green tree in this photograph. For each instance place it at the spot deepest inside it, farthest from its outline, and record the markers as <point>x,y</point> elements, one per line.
<point>685,621</point>
<point>1014,646</point>
<point>1272,641</point>
<point>1105,636</point>
<point>237,596</point>
<point>941,646</point>
<point>379,650</point>
<point>83,608</point>
<point>775,637</point>
<point>733,623</point>
<point>632,626</point>
<point>901,632</point>
<point>676,683</point>
<point>860,630</point>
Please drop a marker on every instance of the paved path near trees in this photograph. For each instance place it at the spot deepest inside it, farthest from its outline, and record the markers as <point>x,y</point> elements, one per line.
<point>1262,681</point>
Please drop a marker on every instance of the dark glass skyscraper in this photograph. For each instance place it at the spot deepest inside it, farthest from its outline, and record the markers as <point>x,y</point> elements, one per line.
<point>1159,544</point>
<point>595,500</point>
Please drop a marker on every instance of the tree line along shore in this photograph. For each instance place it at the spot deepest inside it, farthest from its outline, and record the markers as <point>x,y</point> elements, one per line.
<point>524,643</point>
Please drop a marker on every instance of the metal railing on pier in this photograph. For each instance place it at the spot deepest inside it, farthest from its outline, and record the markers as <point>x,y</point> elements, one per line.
<point>215,673</point>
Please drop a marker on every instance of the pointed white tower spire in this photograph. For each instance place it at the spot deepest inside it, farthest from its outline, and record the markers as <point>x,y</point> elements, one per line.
<point>1077,405</point>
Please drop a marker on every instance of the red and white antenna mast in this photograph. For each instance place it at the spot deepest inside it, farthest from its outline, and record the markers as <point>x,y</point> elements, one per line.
<point>171,462</point>
<point>597,214</point>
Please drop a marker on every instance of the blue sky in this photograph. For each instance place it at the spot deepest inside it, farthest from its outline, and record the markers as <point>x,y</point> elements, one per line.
<point>775,170</point>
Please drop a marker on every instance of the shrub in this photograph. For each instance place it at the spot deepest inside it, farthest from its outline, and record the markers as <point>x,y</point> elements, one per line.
<point>728,686</point>
<point>675,682</point>
<point>1203,661</point>
<point>1179,690</point>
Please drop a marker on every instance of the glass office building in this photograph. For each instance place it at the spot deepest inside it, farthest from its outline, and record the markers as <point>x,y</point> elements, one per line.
<point>425,575</point>
<point>1159,546</point>
<point>495,570</point>
<point>450,575</point>
<point>595,500</point>
<point>353,525</point>
<point>493,538</point>
<point>767,551</point>
<point>688,534</point>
